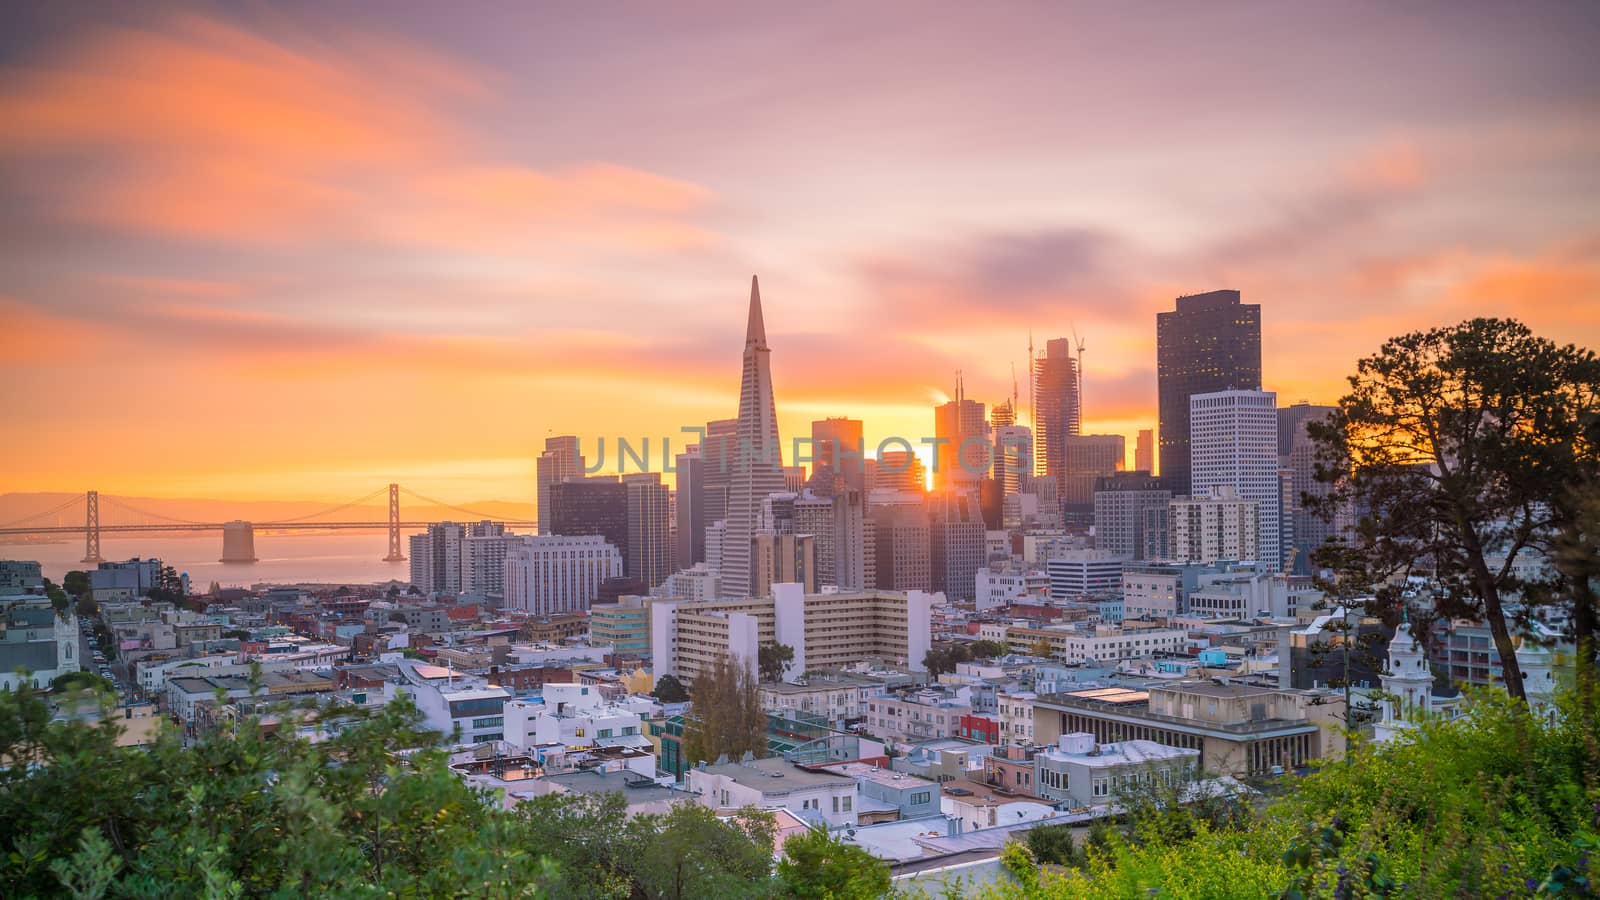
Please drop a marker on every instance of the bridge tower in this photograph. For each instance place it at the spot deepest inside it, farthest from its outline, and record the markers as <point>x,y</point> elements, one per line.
<point>394,526</point>
<point>91,529</point>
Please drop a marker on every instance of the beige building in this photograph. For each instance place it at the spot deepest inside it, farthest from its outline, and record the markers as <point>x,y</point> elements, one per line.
<point>1212,526</point>
<point>1238,729</point>
<point>1102,643</point>
<point>826,631</point>
<point>780,558</point>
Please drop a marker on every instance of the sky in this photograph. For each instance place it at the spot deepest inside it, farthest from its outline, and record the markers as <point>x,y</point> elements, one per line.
<point>300,250</point>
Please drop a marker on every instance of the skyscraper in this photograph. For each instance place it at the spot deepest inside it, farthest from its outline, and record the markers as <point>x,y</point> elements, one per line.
<point>1209,342</point>
<point>758,457</point>
<point>1013,457</point>
<point>649,556</point>
<point>1120,502</point>
<point>716,454</point>
<point>691,508</point>
<point>1056,405</point>
<point>1297,455</point>
<point>1234,444</point>
<point>585,506</point>
<point>900,470</point>
<point>961,454</point>
<point>1144,452</point>
<point>955,542</point>
<point>559,461</point>
<point>836,447</point>
<point>1087,457</point>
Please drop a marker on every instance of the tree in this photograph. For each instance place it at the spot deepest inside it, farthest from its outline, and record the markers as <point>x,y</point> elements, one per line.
<point>939,660</point>
<point>76,583</point>
<point>815,865</point>
<point>771,661</point>
<point>669,689</point>
<point>691,853</point>
<point>1052,845</point>
<point>989,649</point>
<point>1458,445</point>
<point>1041,648</point>
<point>726,718</point>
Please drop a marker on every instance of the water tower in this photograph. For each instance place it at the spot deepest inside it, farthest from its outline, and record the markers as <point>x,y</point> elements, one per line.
<point>238,542</point>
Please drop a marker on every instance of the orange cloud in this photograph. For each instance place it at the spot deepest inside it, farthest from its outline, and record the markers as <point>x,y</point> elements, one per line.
<point>200,130</point>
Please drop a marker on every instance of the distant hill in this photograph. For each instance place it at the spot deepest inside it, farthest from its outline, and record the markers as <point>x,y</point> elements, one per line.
<point>115,510</point>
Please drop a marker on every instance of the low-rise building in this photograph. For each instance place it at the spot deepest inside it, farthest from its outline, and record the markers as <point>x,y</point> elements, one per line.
<point>818,796</point>
<point>1238,729</point>
<point>1078,772</point>
<point>916,716</point>
<point>884,795</point>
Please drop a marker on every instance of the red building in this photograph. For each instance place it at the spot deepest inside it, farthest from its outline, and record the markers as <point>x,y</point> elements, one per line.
<point>978,728</point>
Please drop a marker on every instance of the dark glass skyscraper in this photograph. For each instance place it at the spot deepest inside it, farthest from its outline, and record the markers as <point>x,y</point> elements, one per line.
<point>596,505</point>
<point>1210,342</point>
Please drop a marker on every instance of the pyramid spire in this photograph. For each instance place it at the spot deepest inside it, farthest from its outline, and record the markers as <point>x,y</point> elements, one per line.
<point>755,332</point>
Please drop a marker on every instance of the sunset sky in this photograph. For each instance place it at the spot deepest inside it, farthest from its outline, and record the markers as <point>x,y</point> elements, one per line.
<point>264,250</point>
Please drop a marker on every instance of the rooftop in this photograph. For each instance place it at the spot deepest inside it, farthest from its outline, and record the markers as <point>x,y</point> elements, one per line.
<point>775,775</point>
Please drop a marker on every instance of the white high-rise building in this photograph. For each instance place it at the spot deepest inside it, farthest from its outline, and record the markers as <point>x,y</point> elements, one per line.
<point>483,560</point>
<point>1233,442</point>
<point>548,574</point>
<point>1212,526</point>
<point>757,457</point>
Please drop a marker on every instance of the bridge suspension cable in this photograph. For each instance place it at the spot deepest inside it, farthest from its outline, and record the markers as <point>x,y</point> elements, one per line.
<point>329,511</point>
<point>128,507</point>
<point>450,506</point>
<point>76,500</point>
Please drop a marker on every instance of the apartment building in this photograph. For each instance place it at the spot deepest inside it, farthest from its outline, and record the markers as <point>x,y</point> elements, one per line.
<point>918,716</point>
<point>830,630</point>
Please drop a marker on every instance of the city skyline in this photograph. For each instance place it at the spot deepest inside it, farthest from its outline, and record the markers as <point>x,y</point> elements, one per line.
<point>239,216</point>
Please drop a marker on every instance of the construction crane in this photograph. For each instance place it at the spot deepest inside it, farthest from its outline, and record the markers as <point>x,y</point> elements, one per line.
<point>1078,343</point>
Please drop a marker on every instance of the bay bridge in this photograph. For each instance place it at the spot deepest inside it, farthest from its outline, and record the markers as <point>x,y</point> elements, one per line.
<point>238,535</point>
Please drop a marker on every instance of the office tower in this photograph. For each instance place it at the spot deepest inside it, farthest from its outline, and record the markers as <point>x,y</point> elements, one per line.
<point>596,505</point>
<point>813,515</point>
<point>961,451</point>
<point>1087,457</point>
<point>1297,455</point>
<point>1056,407</point>
<point>1080,573</point>
<point>794,478</point>
<point>1214,525</point>
<point>717,453</point>
<point>1120,502</point>
<point>559,462</point>
<point>1013,457</point>
<point>900,470</point>
<point>1233,442</point>
<point>854,562</point>
<point>956,548</point>
<point>716,539</point>
<point>436,558</point>
<point>782,559</point>
<point>1210,342</point>
<point>690,511</point>
<point>837,446</point>
<point>649,556</point>
<point>547,574</point>
<point>1144,451</point>
<point>901,545</point>
<point>758,458</point>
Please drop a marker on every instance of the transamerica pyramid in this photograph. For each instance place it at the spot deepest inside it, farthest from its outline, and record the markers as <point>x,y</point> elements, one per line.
<point>758,458</point>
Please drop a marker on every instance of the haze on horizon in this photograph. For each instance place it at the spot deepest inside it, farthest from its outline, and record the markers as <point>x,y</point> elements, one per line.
<point>297,251</point>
